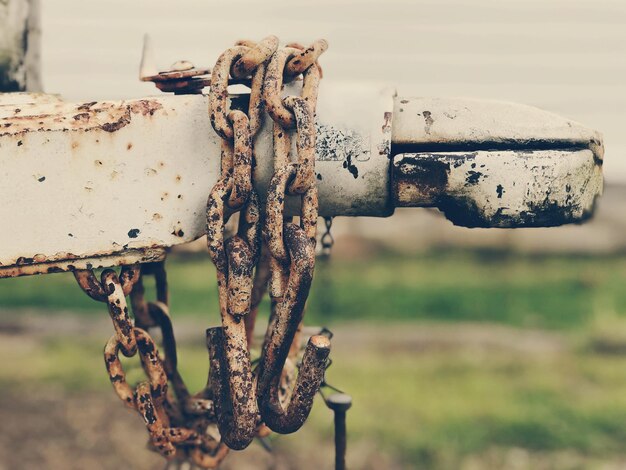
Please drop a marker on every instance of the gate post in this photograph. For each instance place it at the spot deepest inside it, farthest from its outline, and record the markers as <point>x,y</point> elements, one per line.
<point>20,35</point>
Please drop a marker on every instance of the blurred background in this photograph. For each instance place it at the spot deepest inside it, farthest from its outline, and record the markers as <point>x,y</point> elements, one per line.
<point>462,348</point>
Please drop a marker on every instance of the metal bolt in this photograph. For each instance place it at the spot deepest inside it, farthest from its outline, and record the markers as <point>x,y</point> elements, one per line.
<point>181,66</point>
<point>340,403</point>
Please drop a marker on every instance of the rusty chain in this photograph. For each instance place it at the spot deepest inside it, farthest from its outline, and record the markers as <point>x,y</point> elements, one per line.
<point>238,402</point>
<point>292,247</point>
<point>177,428</point>
<point>231,377</point>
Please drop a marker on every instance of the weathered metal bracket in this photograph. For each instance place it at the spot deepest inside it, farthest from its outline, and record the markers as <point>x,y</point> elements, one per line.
<point>108,183</point>
<point>494,164</point>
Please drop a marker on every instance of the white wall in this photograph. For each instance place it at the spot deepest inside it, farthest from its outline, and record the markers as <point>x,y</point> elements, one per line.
<point>567,56</point>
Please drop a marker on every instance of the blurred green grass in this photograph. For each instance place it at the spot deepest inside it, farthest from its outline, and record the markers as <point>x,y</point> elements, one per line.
<point>554,292</point>
<point>432,408</point>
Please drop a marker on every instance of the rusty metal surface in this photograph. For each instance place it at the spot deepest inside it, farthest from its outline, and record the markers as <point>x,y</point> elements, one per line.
<point>231,378</point>
<point>291,247</point>
<point>27,267</point>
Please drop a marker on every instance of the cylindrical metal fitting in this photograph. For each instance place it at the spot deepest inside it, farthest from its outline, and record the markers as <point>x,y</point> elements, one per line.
<point>340,403</point>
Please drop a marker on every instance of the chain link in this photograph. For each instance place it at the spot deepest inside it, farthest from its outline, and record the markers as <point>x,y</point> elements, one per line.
<point>327,239</point>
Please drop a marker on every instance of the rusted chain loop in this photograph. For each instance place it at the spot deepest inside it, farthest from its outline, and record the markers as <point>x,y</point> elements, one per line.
<point>89,283</point>
<point>162,437</point>
<point>242,160</point>
<point>129,275</point>
<point>216,218</point>
<point>289,309</point>
<point>218,96</point>
<point>275,208</point>
<point>116,372</point>
<point>234,397</point>
<point>301,47</point>
<point>118,310</point>
<point>272,87</point>
<point>205,460</point>
<point>254,61</point>
<point>233,393</point>
<point>258,54</point>
<point>152,365</point>
<point>147,409</point>
<point>236,411</point>
<point>310,376</point>
<point>303,60</point>
<point>240,266</point>
<point>250,224</point>
<point>259,288</point>
<point>305,144</point>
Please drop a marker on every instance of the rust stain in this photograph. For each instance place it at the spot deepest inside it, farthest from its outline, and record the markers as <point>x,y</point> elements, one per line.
<point>106,116</point>
<point>62,262</point>
<point>82,117</point>
<point>145,107</point>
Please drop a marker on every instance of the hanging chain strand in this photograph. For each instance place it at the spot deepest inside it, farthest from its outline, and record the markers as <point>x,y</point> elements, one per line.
<point>170,435</point>
<point>231,378</point>
<point>292,247</point>
<point>238,403</point>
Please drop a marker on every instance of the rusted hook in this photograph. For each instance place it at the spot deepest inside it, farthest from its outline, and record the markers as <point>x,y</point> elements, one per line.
<point>310,377</point>
<point>231,375</point>
<point>233,394</point>
<point>288,315</point>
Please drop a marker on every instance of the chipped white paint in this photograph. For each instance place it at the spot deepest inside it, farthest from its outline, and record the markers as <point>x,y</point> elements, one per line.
<point>83,181</point>
<point>469,124</point>
<point>503,188</point>
<point>495,164</point>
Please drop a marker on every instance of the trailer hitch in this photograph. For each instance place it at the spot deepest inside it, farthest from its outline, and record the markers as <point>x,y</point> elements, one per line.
<point>105,183</point>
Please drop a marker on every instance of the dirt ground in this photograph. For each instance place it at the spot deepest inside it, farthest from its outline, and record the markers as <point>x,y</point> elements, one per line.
<point>45,429</point>
<point>43,426</point>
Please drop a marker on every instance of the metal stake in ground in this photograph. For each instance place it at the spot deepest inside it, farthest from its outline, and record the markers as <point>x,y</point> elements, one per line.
<point>340,403</point>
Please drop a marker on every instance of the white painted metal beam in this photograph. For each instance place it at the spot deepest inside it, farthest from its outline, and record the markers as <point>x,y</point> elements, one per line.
<point>105,183</point>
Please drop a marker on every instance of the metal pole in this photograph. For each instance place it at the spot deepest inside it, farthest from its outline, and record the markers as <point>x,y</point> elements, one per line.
<point>340,403</point>
<point>19,46</point>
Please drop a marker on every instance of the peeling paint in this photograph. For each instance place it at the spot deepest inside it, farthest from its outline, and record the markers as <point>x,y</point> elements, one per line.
<point>539,186</point>
<point>108,116</point>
